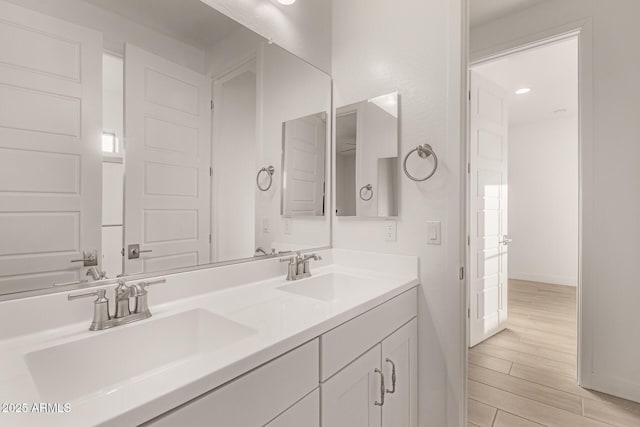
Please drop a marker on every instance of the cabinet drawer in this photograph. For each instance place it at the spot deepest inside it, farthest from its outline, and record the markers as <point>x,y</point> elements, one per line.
<point>346,342</point>
<point>254,398</point>
<point>305,413</point>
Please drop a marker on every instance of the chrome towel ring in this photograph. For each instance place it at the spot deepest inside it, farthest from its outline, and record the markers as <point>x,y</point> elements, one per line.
<point>369,188</point>
<point>424,151</point>
<point>270,171</point>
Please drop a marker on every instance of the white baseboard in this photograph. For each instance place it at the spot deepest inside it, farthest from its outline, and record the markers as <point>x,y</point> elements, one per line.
<point>554,280</point>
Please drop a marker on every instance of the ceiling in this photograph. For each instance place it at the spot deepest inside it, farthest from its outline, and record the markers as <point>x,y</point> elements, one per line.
<point>483,11</point>
<point>550,71</point>
<point>190,21</point>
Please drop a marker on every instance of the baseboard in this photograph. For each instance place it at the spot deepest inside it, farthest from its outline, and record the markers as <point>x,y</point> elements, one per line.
<point>554,280</point>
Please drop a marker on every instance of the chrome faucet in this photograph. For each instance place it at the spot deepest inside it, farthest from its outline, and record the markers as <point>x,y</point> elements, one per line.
<point>96,274</point>
<point>298,267</point>
<point>102,318</point>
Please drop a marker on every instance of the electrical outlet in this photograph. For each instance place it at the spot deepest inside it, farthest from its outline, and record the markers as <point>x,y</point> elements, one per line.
<point>390,231</point>
<point>265,225</point>
<point>287,226</point>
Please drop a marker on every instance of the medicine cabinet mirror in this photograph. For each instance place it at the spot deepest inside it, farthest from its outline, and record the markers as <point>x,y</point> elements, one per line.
<point>151,136</point>
<point>366,159</point>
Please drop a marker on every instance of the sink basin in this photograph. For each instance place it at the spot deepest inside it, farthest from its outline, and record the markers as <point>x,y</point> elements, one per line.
<point>329,287</point>
<point>99,362</point>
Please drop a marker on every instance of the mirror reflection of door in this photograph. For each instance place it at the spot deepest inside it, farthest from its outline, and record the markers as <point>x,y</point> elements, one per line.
<point>367,158</point>
<point>303,155</point>
<point>49,149</point>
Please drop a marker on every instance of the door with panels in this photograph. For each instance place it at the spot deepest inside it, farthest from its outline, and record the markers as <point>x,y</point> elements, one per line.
<point>167,165</point>
<point>304,158</point>
<point>50,149</point>
<point>379,388</point>
<point>488,235</point>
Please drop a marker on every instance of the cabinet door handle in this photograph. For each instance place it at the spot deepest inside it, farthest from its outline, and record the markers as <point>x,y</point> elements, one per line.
<point>378,371</point>
<point>393,376</point>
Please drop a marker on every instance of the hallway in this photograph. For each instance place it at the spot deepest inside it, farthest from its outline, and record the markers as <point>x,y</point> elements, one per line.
<point>526,375</point>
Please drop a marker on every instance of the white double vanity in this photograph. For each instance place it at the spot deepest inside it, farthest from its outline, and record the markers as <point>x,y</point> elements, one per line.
<point>237,345</point>
<point>159,161</point>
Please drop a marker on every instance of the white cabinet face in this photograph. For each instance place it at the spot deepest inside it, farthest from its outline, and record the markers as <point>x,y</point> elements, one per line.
<point>349,398</point>
<point>399,356</point>
<point>305,413</point>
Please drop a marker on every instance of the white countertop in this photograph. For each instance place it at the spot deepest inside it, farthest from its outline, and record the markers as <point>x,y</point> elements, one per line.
<point>280,322</point>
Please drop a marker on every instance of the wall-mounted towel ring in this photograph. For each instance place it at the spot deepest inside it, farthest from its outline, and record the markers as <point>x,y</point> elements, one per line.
<point>368,188</point>
<point>269,170</point>
<point>424,151</point>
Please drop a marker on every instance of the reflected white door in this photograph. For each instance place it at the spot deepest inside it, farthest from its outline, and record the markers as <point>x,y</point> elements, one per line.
<point>50,148</point>
<point>303,192</point>
<point>167,163</point>
<point>488,116</point>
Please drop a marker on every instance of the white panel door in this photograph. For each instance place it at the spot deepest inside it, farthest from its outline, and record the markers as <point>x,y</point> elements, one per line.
<point>303,192</point>
<point>400,367</point>
<point>168,156</point>
<point>349,398</point>
<point>50,148</point>
<point>488,238</point>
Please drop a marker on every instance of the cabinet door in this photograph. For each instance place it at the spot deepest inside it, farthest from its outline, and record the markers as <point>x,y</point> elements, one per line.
<point>399,353</point>
<point>348,398</point>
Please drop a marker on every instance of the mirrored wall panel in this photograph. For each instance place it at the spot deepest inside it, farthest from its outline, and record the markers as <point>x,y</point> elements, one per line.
<point>367,158</point>
<point>152,135</point>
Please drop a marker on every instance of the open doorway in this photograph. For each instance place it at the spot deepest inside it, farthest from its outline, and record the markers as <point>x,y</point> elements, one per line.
<point>524,236</point>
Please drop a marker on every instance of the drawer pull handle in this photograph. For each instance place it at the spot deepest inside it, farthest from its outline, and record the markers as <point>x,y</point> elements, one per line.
<point>393,376</point>
<point>378,371</point>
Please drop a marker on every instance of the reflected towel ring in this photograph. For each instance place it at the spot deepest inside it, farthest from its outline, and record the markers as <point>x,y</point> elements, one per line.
<point>369,188</point>
<point>424,151</point>
<point>270,171</point>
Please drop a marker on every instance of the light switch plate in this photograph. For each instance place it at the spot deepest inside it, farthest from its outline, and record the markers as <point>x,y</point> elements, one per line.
<point>434,230</point>
<point>390,231</point>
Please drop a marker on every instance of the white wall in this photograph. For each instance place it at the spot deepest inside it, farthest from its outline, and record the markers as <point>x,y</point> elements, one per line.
<point>609,154</point>
<point>414,47</point>
<point>303,28</point>
<point>288,88</point>
<point>543,201</point>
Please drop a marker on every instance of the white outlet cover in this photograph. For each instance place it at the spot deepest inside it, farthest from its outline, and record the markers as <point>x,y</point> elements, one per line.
<point>390,231</point>
<point>265,225</point>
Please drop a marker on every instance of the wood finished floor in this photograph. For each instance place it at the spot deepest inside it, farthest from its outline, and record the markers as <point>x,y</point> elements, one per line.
<point>525,376</point>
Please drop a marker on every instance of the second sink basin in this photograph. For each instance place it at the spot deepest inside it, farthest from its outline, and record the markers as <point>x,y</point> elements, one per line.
<point>329,287</point>
<point>99,362</point>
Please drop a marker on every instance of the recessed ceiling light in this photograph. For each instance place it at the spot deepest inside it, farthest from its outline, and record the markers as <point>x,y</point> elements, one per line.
<point>523,90</point>
<point>286,2</point>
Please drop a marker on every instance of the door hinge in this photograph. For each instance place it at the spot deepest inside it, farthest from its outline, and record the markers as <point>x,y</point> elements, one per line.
<point>122,252</point>
<point>209,238</point>
<point>469,95</point>
<point>461,273</point>
<point>468,313</point>
<point>211,104</point>
<point>210,171</point>
<point>468,167</point>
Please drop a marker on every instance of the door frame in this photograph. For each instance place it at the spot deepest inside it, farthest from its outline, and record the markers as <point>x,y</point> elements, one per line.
<point>583,31</point>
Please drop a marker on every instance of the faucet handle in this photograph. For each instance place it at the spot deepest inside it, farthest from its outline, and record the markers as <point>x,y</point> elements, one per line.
<point>289,259</point>
<point>99,293</point>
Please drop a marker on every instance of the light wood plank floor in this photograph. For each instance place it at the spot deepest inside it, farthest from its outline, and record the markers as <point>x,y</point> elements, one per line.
<point>526,375</point>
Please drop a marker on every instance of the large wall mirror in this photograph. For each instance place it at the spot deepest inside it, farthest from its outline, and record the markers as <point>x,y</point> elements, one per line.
<point>367,158</point>
<point>152,135</point>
